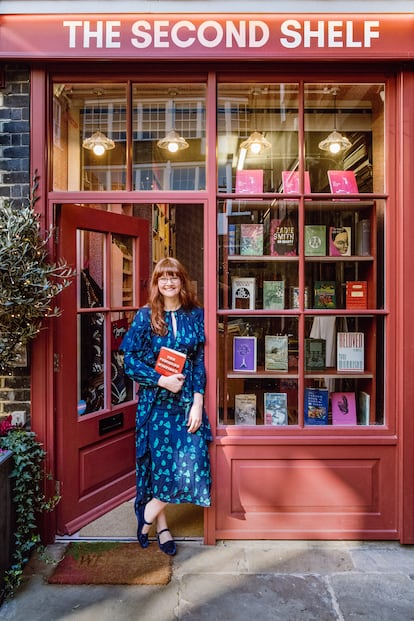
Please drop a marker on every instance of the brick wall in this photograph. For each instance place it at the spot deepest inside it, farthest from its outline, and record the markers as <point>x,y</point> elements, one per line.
<point>15,186</point>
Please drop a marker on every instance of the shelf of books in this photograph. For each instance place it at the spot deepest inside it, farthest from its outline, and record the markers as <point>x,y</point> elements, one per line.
<point>301,320</point>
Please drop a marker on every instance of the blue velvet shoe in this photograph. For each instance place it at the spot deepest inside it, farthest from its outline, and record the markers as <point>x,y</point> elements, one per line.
<point>142,537</point>
<point>169,546</point>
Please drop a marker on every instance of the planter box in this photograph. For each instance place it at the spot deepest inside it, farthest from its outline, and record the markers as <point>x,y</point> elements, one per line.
<point>7,518</point>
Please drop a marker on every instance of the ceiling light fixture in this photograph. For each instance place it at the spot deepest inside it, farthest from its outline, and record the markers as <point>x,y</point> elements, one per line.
<point>335,142</point>
<point>98,142</point>
<point>173,142</point>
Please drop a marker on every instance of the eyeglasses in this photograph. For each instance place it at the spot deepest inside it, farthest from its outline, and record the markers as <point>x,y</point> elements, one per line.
<point>163,280</point>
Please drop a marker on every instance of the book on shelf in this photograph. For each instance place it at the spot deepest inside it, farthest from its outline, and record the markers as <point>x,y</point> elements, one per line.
<point>274,294</point>
<point>363,238</point>
<point>244,353</point>
<point>316,406</point>
<point>283,236</point>
<point>275,408</point>
<point>290,182</point>
<point>350,351</point>
<point>249,181</point>
<point>251,239</point>
<point>324,294</point>
<point>243,293</point>
<point>340,241</point>
<point>170,361</point>
<point>245,409</point>
<point>315,240</point>
<point>315,354</point>
<point>356,294</point>
<point>294,297</point>
<point>276,353</point>
<point>343,406</point>
<point>364,407</point>
<point>342,182</point>
<point>232,239</point>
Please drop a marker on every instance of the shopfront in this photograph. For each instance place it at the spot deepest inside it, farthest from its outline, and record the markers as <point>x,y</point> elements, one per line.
<point>273,155</point>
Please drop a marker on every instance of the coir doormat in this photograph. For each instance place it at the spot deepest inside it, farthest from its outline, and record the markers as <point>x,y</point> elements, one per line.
<point>112,563</point>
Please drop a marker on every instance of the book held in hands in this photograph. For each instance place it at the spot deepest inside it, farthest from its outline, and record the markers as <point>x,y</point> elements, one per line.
<point>170,361</point>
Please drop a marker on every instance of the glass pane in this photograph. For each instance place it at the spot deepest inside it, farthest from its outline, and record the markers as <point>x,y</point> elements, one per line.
<point>121,385</point>
<point>257,126</point>
<point>90,253</point>
<point>91,362</point>
<point>89,136</point>
<point>258,370</point>
<point>169,147</point>
<point>344,137</point>
<point>122,271</point>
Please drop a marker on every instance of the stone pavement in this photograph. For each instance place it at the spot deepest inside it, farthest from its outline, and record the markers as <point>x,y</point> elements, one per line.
<point>240,581</point>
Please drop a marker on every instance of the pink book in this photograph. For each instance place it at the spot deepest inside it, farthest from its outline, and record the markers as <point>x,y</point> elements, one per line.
<point>343,408</point>
<point>342,182</point>
<point>249,181</point>
<point>290,182</point>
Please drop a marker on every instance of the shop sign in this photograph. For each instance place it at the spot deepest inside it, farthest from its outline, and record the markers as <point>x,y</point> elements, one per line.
<point>212,36</point>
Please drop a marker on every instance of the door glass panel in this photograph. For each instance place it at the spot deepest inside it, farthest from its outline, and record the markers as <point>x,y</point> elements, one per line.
<point>121,385</point>
<point>122,271</point>
<point>91,362</point>
<point>91,268</point>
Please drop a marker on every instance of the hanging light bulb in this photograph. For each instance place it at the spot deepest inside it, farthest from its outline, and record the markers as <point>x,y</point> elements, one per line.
<point>255,143</point>
<point>173,142</point>
<point>335,142</point>
<point>98,142</point>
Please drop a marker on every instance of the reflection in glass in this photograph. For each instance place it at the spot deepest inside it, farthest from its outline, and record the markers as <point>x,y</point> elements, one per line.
<point>257,127</point>
<point>91,362</point>
<point>122,276</point>
<point>169,133</point>
<point>90,253</point>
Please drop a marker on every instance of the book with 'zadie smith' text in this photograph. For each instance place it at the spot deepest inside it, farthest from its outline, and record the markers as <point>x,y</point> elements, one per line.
<point>170,361</point>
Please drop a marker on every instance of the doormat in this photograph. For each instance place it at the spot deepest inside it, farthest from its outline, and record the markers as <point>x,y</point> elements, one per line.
<point>110,562</point>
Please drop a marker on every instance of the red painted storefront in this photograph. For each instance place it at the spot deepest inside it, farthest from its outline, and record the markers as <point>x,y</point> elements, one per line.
<point>295,77</point>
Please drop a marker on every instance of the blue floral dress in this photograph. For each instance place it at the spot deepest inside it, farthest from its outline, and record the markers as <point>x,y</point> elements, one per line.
<point>171,464</point>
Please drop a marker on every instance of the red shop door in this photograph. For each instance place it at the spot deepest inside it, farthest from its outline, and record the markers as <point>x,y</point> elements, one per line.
<point>95,402</point>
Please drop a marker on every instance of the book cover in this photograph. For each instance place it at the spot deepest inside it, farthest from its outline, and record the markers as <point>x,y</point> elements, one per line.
<point>343,406</point>
<point>294,297</point>
<point>251,239</point>
<point>170,361</point>
<point>350,351</point>
<point>342,182</point>
<point>232,239</point>
<point>356,294</point>
<point>364,407</point>
<point>324,294</point>
<point>315,240</point>
<point>244,353</point>
<point>274,294</point>
<point>315,354</point>
<point>283,236</point>
<point>243,293</point>
<point>245,409</point>
<point>316,406</point>
<point>363,238</point>
<point>275,408</point>
<point>290,182</point>
<point>249,181</point>
<point>340,241</point>
<point>276,353</point>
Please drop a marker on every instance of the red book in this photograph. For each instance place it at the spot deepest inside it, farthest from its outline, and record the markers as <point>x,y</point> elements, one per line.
<point>249,181</point>
<point>290,181</point>
<point>170,361</point>
<point>342,182</point>
<point>343,408</point>
<point>356,294</point>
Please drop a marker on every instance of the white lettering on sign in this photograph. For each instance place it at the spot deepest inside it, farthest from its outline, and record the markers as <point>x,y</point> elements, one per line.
<point>231,34</point>
<point>331,33</point>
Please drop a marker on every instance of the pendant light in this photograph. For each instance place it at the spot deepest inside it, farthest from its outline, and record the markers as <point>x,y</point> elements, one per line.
<point>173,142</point>
<point>256,143</point>
<point>98,142</point>
<point>335,142</point>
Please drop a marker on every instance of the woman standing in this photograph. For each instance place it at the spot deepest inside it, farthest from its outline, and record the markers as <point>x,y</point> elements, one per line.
<point>172,429</point>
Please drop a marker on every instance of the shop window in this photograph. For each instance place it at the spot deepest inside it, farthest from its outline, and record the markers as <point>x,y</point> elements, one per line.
<point>301,290</point>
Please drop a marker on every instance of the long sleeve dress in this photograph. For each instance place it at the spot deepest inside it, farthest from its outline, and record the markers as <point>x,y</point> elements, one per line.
<point>171,464</point>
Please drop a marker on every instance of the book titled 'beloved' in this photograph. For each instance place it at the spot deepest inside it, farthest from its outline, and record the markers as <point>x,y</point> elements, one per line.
<point>170,361</point>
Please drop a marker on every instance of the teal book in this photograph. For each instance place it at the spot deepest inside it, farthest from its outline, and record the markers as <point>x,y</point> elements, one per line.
<point>315,240</point>
<point>274,294</point>
<point>251,239</point>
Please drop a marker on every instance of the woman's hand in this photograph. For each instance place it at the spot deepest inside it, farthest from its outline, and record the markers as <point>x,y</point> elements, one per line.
<point>173,383</point>
<point>195,417</point>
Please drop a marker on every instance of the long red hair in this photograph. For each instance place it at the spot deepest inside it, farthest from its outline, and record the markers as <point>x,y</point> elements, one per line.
<point>188,299</point>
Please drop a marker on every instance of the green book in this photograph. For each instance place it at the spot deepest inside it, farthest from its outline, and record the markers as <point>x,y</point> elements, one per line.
<point>274,294</point>
<point>315,240</point>
<point>325,295</point>
<point>315,354</point>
